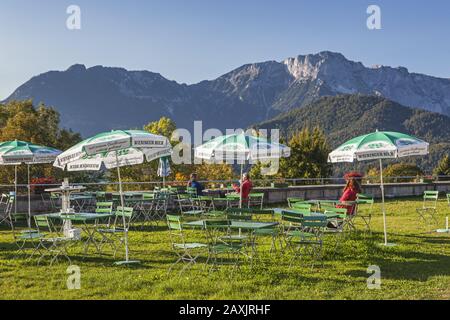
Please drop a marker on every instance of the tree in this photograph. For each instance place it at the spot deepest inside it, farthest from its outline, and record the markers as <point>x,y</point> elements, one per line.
<point>164,127</point>
<point>20,120</point>
<point>443,167</point>
<point>309,155</point>
<point>402,170</point>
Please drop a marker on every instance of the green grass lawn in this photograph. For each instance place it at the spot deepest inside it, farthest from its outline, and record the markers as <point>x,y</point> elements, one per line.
<point>417,268</point>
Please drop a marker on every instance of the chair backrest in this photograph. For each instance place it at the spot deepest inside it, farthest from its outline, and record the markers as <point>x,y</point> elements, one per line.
<point>148,196</point>
<point>9,205</point>
<point>364,198</point>
<point>342,212</point>
<point>315,222</point>
<point>430,199</point>
<point>42,222</point>
<point>104,207</point>
<point>126,212</point>
<point>191,191</point>
<point>55,196</point>
<point>100,196</point>
<point>4,199</point>
<point>183,196</point>
<point>292,200</point>
<point>176,233</point>
<point>305,207</point>
<point>174,222</point>
<point>232,196</point>
<point>239,210</point>
<point>292,218</point>
<point>327,205</point>
<point>205,198</point>
<point>239,216</point>
<point>431,195</point>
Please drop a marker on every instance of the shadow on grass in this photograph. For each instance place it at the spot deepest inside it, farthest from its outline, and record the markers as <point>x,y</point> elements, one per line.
<point>399,264</point>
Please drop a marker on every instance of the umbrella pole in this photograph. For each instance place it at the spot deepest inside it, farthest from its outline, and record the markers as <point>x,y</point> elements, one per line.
<point>29,196</point>
<point>125,228</point>
<point>15,189</point>
<point>382,204</point>
<point>240,189</point>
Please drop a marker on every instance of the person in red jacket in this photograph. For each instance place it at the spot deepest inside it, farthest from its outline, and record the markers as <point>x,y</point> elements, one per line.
<point>246,185</point>
<point>350,193</point>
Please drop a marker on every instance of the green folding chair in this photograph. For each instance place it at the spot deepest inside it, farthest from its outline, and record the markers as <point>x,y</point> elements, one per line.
<point>291,223</point>
<point>6,204</point>
<point>221,251</point>
<point>364,209</point>
<point>114,234</point>
<point>428,212</point>
<point>187,205</point>
<point>22,237</point>
<point>292,200</point>
<point>256,200</point>
<point>204,203</point>
<point>187,252</point>
<point>192,192</point>
<point>273,232</point>
<point>302,207</point>
<point>53,243</point>
<point>233,200</point>
<point>237,214</point>
<point>104,208</point>
<point>305,238</point>
<point>145,208</point>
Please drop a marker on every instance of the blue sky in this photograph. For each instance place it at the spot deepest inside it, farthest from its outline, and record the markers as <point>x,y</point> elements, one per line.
<point>193,40</point>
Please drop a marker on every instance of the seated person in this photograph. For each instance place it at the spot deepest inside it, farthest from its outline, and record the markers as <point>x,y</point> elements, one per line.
<point>193,183</point>
<point>350,194</point>
<point>246,185</point>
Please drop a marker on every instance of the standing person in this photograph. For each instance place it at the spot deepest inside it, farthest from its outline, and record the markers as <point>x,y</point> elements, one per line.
<point>350,192</point>
<point>246,185</point>
<point>193,183</point>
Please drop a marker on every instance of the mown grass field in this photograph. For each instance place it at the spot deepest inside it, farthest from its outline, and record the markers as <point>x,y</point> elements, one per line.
<point>417,268</point>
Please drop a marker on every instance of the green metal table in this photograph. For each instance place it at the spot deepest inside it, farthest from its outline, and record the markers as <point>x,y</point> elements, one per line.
<point>311,214</point>
<point>244,225</point>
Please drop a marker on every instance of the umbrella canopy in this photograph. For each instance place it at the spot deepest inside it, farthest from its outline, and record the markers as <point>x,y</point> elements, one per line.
<point>242,147</point>
<point>17,152</point>
<point>378,146</point>
<point>115,149</point>
<point>129,147</point>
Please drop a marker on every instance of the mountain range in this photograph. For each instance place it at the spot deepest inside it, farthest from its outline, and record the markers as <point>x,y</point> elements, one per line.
<point>344,117</point>
<point>103,98</point>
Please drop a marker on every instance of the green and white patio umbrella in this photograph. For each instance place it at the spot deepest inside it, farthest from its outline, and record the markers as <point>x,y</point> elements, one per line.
<point>241,147</point>
<point>115,149</point>
<point>17,152</point>
<point>378,146</point>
